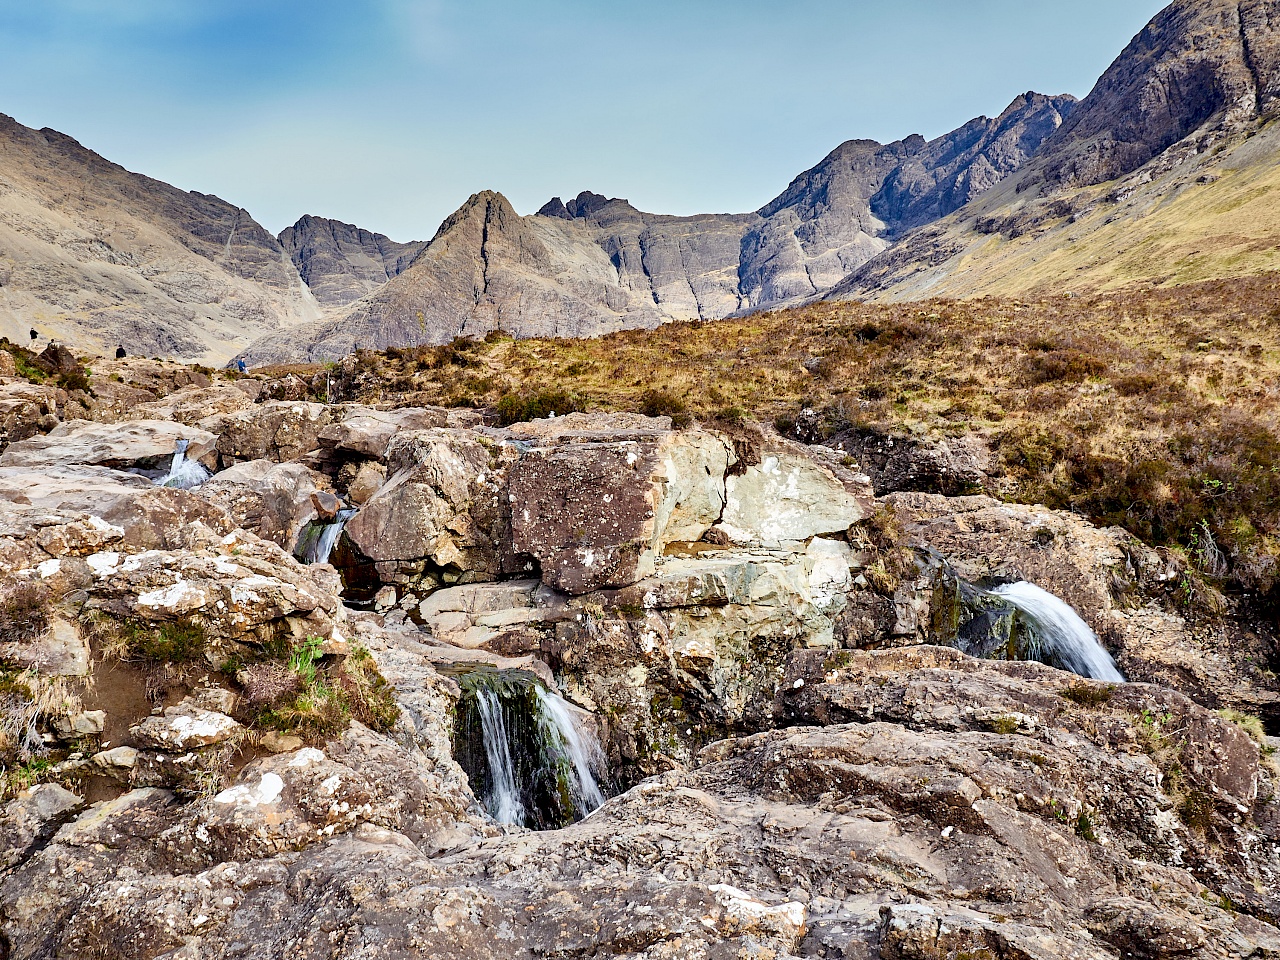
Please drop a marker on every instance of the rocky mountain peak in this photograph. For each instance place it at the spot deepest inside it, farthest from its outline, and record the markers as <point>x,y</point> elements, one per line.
<point>555,208</point>
<point>341,262</point>
<point>1197,62</point>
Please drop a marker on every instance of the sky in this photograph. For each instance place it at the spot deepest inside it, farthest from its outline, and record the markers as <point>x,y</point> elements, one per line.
<point>390,113</point>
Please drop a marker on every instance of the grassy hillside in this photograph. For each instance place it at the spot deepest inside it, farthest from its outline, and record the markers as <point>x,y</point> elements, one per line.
<point>1154,410</point>
<point>1213,214</point>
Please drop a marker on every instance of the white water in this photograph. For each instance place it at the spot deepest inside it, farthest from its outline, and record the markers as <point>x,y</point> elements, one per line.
<point>503,801</point>
<point>184,474</point>
<point>1061,631</point>
<point>564,735</point>
<point>320,548</point>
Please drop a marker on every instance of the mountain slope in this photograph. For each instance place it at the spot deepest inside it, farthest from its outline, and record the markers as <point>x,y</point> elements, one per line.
<point>596,264</point>
<point>1165,173</point>
<point>97,256</point>
<point>340,262</point>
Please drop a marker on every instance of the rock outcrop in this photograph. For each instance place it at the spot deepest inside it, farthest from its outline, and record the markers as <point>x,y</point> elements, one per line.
<point>340,262</point>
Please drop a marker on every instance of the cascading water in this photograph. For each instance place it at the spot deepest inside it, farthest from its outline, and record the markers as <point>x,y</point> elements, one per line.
<point>502,799</point>
<point>317,540</point>
<point>1059,633</point>
<point>524,750</point>
<point>560,729</point>
<point>184,474</point>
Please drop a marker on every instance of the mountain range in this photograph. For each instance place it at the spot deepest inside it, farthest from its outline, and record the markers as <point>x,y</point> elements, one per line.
<point>1164,173</point>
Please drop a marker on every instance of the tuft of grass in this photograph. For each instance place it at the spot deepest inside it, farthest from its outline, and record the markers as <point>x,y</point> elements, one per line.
<point>1088,694</point>
<point>318,700</point>
<point>1085,827</point>
<point>169,643</point>
<point>25,610</point>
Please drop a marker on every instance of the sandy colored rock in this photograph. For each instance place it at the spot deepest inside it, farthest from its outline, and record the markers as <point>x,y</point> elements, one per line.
<point>138,443</point>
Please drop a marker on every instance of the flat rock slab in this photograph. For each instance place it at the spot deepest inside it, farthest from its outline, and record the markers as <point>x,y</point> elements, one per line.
<point>147,443</point>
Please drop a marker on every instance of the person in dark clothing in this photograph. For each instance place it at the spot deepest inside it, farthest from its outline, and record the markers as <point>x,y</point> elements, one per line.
<point>241,366</point>
<point>119,353</point>
<point>34,336</point>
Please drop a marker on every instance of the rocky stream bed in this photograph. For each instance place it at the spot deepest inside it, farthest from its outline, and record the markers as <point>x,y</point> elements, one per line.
<point>815,715</point>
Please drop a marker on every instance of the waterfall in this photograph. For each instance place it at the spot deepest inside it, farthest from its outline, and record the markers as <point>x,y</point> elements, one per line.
<point>503,800</point>
<point>525,752</point>
<point>317,540</point>
<point>183,474</point>
<point>560,728</point>
<point>1061,637</point>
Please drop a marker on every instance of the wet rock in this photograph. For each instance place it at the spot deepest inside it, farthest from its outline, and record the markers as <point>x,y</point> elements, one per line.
<point>274,500</point>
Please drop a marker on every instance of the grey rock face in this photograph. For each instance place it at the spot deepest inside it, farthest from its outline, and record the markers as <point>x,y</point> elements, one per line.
<point>1198,61</point>
<point>340,262</point>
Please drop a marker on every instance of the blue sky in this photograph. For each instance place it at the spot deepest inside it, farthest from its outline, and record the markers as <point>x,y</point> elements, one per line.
<point>390,113</point>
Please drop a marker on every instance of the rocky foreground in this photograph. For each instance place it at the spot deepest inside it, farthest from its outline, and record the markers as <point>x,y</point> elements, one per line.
<point>214,749</point>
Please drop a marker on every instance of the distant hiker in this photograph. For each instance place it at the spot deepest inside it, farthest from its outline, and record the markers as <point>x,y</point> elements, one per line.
<point>119,353</point>
<point>34,336</point>
<point>241,366</point>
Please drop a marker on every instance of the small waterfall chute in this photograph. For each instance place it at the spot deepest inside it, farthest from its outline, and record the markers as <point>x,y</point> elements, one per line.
<point>525,750</point>
<point>318,538</point>
<point>1058,634</point>
<point>502,799</point>
<point>184,474</point>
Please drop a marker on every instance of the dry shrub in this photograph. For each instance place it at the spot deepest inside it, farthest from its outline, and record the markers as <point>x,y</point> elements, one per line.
<point>268,682</point>
<point>24,611</point>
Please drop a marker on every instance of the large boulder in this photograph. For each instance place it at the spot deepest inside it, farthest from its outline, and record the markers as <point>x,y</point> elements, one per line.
<point>192,404</point>
<point>274,500</point>
<point>235,588</point>
<point>367,432</point>
<point>279,430</point>
<point>27,409</point>
<point>442,510</point>
<point>96,505</point>
<point>596,508</point>
<point>143,444</point>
